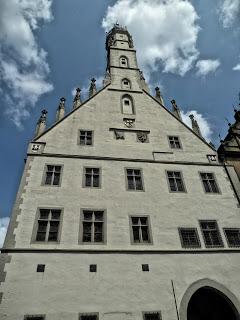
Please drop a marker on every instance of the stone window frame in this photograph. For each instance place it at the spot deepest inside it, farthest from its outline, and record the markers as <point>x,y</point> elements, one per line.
<point>35,226</point>
<point>215,180</point>
<point>126,95</point>
<point>80,236</point>
<point>126,179</point>
<point>84,177</point>
<point>181,174</point>
<point>199,245</point>
<point>150,242</point>
<point>85,145</point>
<point>45,173</point>
<point>144,313</point>
<point>88,314</point>
<point>120,62</point>
<point>32,317</point>
<point>179,140</point>
<point>226,236</point>
<point>221,245</point>
<point>124,86</point>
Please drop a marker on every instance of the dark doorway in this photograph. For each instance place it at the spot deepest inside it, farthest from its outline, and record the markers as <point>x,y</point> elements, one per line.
<point>210,304</point>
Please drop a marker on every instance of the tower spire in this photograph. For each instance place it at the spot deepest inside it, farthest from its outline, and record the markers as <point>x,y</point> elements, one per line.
<point>159,96</point>
<point>176,110</point>
<point>77,99</point>
<point>41,124</point>
<point>93,88</point>
<point>61,109</point>
<point>195,125</point>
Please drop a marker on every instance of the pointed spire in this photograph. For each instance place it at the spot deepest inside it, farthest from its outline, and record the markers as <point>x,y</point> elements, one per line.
<point>176,110</point>
<point>61,109</point>
<point>41,124</point>
<point>158,95</point>
<point>195,125</point>
<point>77,99</point>
<point>93,88</point>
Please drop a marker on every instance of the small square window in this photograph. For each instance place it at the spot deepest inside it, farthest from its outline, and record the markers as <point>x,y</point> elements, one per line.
<point>233,237</point>
<point>93,268</point>
<point>40,267</point>
<point>175,181</point>
<point>152,315</point>
<point>34,317</point>
<point>174,142</point>
<point>145,267</point>
<point>88,316</point>
<point>86,138</point>
<point>209,182</point>
<point>189,238</point>
<point>134,179</point>
<point>211,234</point>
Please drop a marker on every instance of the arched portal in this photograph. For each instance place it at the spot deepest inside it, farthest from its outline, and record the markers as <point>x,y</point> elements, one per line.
<point>208,303</point>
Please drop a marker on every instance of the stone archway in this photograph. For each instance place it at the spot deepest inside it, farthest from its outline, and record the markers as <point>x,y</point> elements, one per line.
<point>209,300</point>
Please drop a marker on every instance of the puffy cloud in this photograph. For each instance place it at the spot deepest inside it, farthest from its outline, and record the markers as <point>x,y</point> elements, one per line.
<point>23,65</point>
<point>237,67</point>
<point>207,66</point>
<point>165,31</point>
<point>203,123</point>
<point>229,12</point>
<point>3,229</point>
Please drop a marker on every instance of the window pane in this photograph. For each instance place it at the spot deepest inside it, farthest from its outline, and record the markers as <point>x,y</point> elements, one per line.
<point>136,237</point>
<point>145,234</point>
<point>135,220</point>
<point>56,214</point>
<point>44,213</point>
<point>138,182</point>
<point>54,226</point>
<point>56,179</point>
<point>172,184</point>
<point>52,236</point>
<point>180,185</point>
<point>131,185</point>
<point>41,236</point>
<point>42,226</point>
<point>48,178</point>
<point>88,181</point>
<point>95,181</point>
<point>98,215</point>
<point>58,169</point>
<point>87,215</point>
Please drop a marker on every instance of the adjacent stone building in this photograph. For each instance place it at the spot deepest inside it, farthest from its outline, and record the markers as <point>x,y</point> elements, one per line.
<point>123,212</point>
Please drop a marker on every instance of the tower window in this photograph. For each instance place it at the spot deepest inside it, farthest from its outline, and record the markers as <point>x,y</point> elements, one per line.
<point>189,238</point>
<point>92,226</point>
<point>175,181</point>
<point>126,84</point>
<point>211,234</point>
<point>86,138</point>
<point>127,105</point>
<point>123,62</point>
<point>209,182</point>
<point>93,268</point>
<point>40,267</point>
<point>134,179</point>
<point>152,316</point>
<point>92,177</point>
<point>174,142</point>
<point>145,267</point>
<point>140,229</point>
<point>233,237</point>
<point>48,225</point>
<point>52,175</point>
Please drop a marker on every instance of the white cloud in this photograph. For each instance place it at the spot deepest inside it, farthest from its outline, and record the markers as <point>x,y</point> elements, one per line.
<point>203,123</point>
<point>164,31</point>
<point>23,65</point>
<point>207,66</point>
<point>237,67</point>
<point>229,12</point>
<point>3,229</point>
<point>86,86</point>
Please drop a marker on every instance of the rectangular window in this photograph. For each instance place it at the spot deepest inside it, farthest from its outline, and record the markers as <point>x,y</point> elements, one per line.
<point>52,175</point>
<point>92,177</point>
<point>140,229</point>
<point>34,317</point>
<point>134,179</point>
<point>152,316</point>
<point>211,234</point>
<point>209,182</point>
<point>233,237</point>
<point>88,316</point>
<point>189,238</point>
<point>48,225</point>
<point>175,181</point>
<point>86,137</point>
<point>92,226</point>
<point>174,142</point>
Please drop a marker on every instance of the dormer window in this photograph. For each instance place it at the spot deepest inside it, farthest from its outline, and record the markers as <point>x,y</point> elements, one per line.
<point>123,62</point>
<point>127,105</point>
<point>126,84</point>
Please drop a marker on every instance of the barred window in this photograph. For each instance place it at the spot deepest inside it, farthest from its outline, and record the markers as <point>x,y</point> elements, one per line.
<point>189,238</point>
<point>233,237</point>
<point>92,177</point>
<point>174,142</point>
<point>48,225</point>
<point>152,316</point>
<point>209,182</point>
<point>134,179</point>
<point>175,181</point>
<point>211,234</point>
<point>140,229</point>
<point>52,175</point>
<point>93,226</point>
<point>86,137</point>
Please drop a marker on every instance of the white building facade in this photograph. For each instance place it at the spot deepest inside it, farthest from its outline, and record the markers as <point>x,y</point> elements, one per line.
<point>123,212</point>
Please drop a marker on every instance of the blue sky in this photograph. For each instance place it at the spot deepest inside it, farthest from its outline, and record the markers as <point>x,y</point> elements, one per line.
<point>191,49</point>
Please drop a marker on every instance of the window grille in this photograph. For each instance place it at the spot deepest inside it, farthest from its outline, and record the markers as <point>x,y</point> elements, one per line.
<point>92,177</point>
<point>174,142</point>
<point>93,223</point>
<point>175,181</point>
<point>209,182</point>
<point>211,234</point>
<point>86,137</point>
<point>48,225</point>
<point>53,174</point>
<point>140,229</point>
<point>233,237</point>
<point>189,238</point>
<point>134,179</point>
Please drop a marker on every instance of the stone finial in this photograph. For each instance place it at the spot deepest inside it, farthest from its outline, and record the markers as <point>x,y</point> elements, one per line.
<point>61,109</point>
<point>93,88</point>
<point>77,99</point>
<point>158,95</point>
<point>41,124</point>
<point>176,110</point>
<point>195,125</point>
